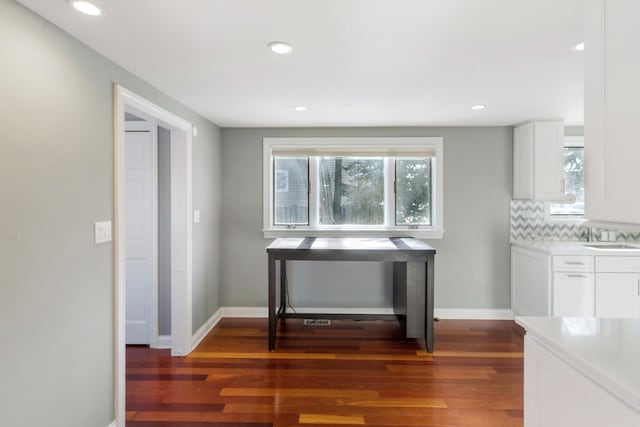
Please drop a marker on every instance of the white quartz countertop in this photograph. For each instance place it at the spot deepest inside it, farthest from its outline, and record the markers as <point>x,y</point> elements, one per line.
<point>605,350</point>
<point>577,248</point>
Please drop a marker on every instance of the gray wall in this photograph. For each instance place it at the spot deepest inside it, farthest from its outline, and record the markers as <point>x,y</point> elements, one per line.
<point>574,130</point>
<point>164,231</point>
<point>56,180</point>
<point>472,264</point>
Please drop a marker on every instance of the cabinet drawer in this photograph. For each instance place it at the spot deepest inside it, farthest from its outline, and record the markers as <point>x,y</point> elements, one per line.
<point>573,263</point>
<point>618,264</point>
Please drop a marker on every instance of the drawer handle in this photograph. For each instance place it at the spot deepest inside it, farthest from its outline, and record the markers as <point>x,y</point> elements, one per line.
<point>574,262</point>
<point>582,276</point>
<point>638,287</point>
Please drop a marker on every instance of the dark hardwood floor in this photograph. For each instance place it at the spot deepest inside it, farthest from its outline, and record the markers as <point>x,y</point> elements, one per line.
<point>350,373</point>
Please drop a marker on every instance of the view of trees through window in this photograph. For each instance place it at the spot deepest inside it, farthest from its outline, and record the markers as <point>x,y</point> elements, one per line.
<point>413,191</point>
<point>573,182</point>
<point>351,190</point>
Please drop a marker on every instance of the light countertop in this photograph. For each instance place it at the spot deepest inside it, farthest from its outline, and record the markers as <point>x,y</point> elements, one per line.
<point>605,350</point>
<point>577,248</point>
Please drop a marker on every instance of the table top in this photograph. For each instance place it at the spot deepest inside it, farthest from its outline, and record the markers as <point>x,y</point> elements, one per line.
<point>605,350</point>
<point>350,244</point>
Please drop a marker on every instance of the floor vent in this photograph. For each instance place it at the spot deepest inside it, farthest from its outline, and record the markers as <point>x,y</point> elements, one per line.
<point>317,322</point>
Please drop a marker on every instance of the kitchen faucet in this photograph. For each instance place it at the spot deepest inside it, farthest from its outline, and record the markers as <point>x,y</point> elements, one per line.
<point>589,234</point>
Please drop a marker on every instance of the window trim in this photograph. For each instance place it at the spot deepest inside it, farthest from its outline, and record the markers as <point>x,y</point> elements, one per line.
<point>573,141</point>
<point>389,145</point>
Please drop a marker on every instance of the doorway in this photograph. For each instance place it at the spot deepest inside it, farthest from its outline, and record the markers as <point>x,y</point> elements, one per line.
<point>141,231</point>
<point>180,133</point>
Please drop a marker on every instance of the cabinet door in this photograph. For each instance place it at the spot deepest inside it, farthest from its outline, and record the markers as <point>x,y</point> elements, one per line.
<point>523,162</point>
<point>530,277</point>
<point>612,90</point>
<point>573,294</point>
<point>548,160</point>
<point>538,160</point>
<point>617,295</point>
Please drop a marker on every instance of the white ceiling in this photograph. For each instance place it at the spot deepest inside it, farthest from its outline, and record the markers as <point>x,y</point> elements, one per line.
<point>355,62</point>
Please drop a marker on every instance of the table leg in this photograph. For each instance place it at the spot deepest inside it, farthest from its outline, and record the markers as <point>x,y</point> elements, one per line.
<point>428,327</point>
<point>411,276</point>
<point>283,286</point>
<point>272,302</point>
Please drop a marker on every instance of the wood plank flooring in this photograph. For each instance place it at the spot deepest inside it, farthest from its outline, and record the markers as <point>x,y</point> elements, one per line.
<point>350,373</point>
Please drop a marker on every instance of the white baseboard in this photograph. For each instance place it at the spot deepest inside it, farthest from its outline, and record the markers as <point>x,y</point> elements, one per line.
<point>164,341</point>
<point>113,424</point>
<point>206,328</point>
<point>245,312</point>
<point>473,313</point>
<point>441,313</point>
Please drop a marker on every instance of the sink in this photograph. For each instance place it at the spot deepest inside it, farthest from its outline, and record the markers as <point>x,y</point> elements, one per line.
<point>605,246</point>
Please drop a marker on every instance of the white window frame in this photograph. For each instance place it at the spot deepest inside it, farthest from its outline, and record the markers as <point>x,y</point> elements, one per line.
<point>390,147</point>
<point>569,142</point>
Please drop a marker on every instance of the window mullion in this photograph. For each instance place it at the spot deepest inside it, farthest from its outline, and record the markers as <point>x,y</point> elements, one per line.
<point>389,192</point>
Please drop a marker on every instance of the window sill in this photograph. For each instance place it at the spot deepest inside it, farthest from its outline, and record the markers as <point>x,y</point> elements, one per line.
<point>399,232</point>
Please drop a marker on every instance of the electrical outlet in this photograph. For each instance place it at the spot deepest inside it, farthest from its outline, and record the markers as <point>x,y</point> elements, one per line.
<point>317,322</point>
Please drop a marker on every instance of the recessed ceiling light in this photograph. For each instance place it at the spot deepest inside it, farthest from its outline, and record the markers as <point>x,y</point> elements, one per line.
<point>280,48</point>
<point>300,108</point>
<point>579,46</point>
<point>86,7</point>
<point>479,107</point>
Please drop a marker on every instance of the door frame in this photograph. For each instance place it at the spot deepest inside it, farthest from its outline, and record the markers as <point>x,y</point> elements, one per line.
<point>181,231</point>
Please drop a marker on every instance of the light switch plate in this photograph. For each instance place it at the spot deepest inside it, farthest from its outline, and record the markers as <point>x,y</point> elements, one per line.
<point>196,216</point>
<point>102,231</point>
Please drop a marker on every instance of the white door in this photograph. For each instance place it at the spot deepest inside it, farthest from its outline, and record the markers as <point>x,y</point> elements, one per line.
<point>140,230</point>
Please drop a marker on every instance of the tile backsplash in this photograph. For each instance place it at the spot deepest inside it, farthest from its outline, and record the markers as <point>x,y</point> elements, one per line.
<point>528,222</point>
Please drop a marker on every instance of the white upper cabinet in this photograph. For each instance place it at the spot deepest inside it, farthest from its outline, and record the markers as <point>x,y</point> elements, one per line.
<point>611,107</point>
<point>538,160</point>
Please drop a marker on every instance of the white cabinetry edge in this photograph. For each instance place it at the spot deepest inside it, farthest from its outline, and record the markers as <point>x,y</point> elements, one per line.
<point>604,350</point>
<point>573,248</point>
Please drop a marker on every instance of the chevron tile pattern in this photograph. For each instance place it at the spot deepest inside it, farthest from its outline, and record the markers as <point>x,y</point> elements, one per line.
<point>528,222</point>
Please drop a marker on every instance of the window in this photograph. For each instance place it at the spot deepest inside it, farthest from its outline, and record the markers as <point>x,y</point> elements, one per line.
<point>291,184</point>
<point>353,186</point>
<point>573,179</point>
<point>413,191</point>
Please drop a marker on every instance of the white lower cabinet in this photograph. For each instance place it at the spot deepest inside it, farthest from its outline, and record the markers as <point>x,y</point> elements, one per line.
<point>573,294</point>
<point>618,286</point>
<point>618,295</point>
<point>530,282</point>
<point>568,285</point>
